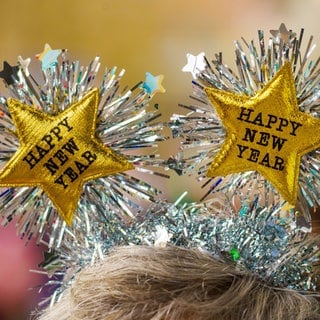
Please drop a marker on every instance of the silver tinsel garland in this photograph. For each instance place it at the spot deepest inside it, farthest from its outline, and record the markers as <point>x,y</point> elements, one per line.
<point>271,243</point>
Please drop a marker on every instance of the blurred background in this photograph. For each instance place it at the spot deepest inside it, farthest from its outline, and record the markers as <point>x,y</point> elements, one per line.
<point>140,36</point>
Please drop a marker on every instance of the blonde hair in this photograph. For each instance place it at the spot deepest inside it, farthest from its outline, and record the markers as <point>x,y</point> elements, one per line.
<point>174,283</point>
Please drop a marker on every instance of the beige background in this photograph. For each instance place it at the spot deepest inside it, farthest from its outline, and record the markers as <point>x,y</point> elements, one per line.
<point>147,35</point>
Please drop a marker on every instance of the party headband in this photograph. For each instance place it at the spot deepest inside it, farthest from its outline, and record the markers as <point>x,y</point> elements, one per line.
<point>247,222</point>
<point>254,135</point>
<point>272,244</point>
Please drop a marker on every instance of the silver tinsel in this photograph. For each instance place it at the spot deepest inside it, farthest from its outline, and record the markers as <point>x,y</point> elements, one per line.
<point>125,124</point>
<point>273,244</point>
<point>202,132</point>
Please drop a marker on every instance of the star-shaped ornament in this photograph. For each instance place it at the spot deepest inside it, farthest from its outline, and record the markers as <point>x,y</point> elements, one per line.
<point>24,65</point>
<point>8,73</point>
<point>48,57</point>
<point>195,64</point>
<point>153,84</point>
<point>59,153</point>
<point>283,33</point>
<point>266,133</point>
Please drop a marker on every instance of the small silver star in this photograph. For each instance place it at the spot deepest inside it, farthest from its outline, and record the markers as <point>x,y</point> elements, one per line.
<point>283,33</point>
<point>195,64</point>
<point>24,64</point>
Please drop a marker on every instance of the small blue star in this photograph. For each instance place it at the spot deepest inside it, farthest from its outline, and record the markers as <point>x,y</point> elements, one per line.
<point>48,57</point>
<point>152,84</point>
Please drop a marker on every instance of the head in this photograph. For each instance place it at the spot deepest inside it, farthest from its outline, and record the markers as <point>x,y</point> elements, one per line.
<point>174,283</point>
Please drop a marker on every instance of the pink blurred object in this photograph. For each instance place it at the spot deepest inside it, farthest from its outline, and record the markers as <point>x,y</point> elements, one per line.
<point>16,259</point>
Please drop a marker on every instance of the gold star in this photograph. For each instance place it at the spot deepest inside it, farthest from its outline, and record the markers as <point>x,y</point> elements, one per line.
<point>265,133</point>
<point>59,153</point>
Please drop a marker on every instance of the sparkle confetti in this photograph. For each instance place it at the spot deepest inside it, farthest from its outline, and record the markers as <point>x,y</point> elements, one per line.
<point>208,139</point>
<point>54,130</point>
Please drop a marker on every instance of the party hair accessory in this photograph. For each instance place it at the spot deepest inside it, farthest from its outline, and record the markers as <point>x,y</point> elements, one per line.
<point>71,147</point>
<point>254,130</point>
<point>251,226</point>
<point>272,244</point>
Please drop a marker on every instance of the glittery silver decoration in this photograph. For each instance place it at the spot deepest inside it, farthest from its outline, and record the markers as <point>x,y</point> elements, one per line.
<point>123,124</point>
<point>202,132</point>
<point>272,243</point>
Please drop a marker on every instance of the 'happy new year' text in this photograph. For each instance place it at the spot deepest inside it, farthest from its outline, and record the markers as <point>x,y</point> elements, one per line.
<point>58,152</point>
<point>260,141</point>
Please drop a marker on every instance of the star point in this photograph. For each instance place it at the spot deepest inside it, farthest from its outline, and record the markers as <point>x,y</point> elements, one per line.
<point>59,153</point>
<point>266,133</point>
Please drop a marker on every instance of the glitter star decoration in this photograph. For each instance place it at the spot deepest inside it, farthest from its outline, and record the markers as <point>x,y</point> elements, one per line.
<point>48,57</point>
<point>195,64</point>
<point>59,153</point>
<point>204,133</point>
<point>24,64</point>
<point>153,84</point>
<point>254,242</point>
<point>265,133</point>
<point>283,34</point>
<point>56,180</point>
<point>8,73</point>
